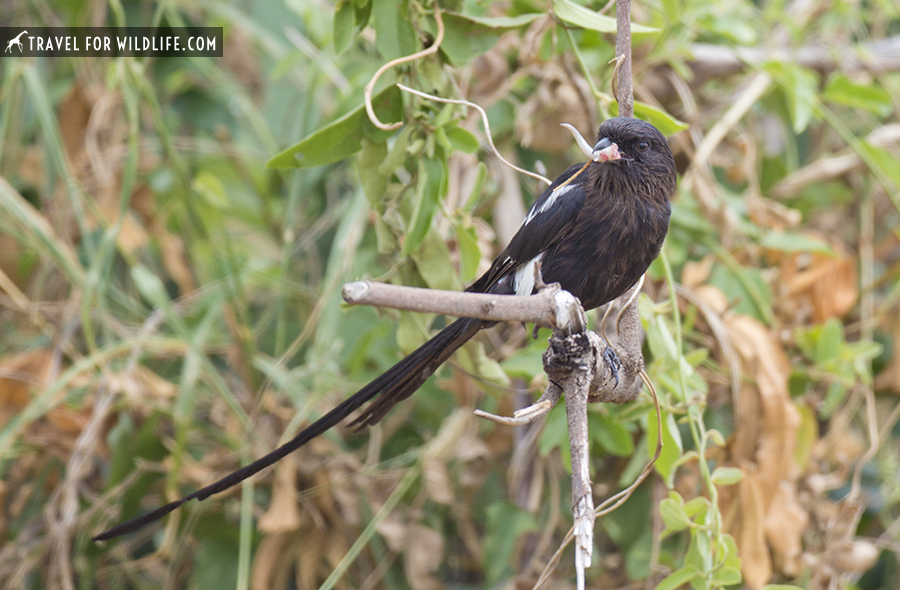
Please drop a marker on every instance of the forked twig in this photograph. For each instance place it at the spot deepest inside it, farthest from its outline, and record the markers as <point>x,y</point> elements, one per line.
<point>618,499</point>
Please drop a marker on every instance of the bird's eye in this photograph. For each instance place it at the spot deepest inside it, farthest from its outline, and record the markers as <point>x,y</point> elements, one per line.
<point>643,146</point>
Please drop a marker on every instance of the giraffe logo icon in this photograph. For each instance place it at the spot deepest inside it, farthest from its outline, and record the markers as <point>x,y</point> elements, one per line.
<point>15,41</point>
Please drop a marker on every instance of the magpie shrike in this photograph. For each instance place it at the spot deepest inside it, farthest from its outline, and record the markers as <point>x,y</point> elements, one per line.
<point>595,231</point>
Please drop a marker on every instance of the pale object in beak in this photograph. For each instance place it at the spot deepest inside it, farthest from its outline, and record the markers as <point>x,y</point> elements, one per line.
<point>604,151</point>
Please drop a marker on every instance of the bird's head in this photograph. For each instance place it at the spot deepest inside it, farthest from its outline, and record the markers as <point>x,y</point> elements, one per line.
<point>628,147</point>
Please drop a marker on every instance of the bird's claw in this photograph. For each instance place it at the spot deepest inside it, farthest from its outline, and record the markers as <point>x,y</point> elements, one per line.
<point>613,362</point>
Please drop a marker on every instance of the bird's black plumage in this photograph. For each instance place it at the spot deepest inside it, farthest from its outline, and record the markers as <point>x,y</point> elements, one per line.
<point>595,232</point>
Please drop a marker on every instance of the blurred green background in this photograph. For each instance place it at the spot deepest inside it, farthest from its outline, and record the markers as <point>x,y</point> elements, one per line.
<point>170,304</point>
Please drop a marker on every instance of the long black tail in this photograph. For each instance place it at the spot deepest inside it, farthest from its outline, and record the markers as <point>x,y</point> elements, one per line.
<point>394,385</point>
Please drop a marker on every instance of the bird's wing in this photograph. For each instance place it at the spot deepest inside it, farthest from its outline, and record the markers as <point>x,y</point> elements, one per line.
<point>547,221</point>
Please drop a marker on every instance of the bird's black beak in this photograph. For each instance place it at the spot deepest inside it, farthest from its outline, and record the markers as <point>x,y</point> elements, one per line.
<point>605,151</point>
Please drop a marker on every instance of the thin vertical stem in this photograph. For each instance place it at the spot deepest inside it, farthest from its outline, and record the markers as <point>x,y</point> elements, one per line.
<point>624,87</point>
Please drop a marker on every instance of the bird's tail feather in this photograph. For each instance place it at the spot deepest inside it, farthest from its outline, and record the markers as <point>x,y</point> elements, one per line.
<point>392,386</point>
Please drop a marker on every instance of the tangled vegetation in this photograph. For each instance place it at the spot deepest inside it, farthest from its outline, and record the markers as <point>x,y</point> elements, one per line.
<point>170,275</point>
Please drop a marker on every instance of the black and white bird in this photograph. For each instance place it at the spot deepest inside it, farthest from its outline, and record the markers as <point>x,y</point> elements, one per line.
<point>595,231</point>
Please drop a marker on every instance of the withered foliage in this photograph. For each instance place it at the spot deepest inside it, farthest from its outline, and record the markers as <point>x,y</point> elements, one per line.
<point>169,306</point>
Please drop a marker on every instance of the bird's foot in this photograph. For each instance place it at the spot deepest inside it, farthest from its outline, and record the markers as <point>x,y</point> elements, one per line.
<point>613,362</point>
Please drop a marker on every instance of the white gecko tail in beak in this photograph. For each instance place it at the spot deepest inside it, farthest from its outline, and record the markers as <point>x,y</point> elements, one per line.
<point>604,151</point>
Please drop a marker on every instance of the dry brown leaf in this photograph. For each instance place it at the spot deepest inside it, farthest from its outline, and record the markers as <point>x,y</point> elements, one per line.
<point>825,284</point>
<point>769,440</point>
<point>394,531</point>
<point>771,214</point>
<point>713,297</point>
<point>174,260</point>
<point>273,561</point>
<point>889,377</point>
<point>841,449</point>
<point>69,421</point>
<point>10,260</point>
<point>489,71</point>
<point>784,523</point>
<point>241,59</point>
<point>555,101</point>
<point>74,113</point>
<point>19,374</point>
<point>437,480</point>
<point>32,168</point>
<point>696,273</point>
<point>141,384</point>
<point>283,515</point>
<point>765,506</point>
<point>858,557</point>
<point>423,557</point>
<point>750,536</point>
<point>310,553</point>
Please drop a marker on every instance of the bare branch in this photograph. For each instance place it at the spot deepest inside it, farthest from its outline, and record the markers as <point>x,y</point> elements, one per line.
<point>529,414</point>
<point>550,308</point>
<point>833,167</point>
<point>624,90</point>
<point>719,60</point>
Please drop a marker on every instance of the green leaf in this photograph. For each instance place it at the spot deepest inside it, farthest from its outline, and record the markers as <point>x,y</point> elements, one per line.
<point>343,26</point>
<point>526,363</point>
<point>612,436</point>
<point>150,286</point>
<point>368,162</point>
<point>799,86</point>
<point>727,555</point>
<point>210,187</point>
<point>501,22</point>
<point>556,435</point>
<point>880,159</point>
<point>726,476</point>
<point>480,175</point>
<point>873,98</point>
<point>469,252</point>
<point>745,288</point>
<point>672,512</point>
<point>394,34</point>
<point>475,361</point>
<point>412,330</point>
<point>466,37</point>
<point>462,140</point>
<point>431,182</point>
<point>217,564</point>
<point>505,523</point>
<point>397,152</point>
<point>786,241</point>
<point>678,578</point>
<point>698,553</point>
<point>671,450</point>
<point>362,10</point>
<point>727,576</point>
<point>715,437</point>
<point>830,342</point>
<point>580,16</point>
<point>666,123</point>
<point>343,137</point>
<point>694,506</point>
<point>432,259</point>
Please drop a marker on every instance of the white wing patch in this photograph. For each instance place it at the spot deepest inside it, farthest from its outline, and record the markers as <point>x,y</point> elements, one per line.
<point>524,277</point>
<point>556,194</point>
